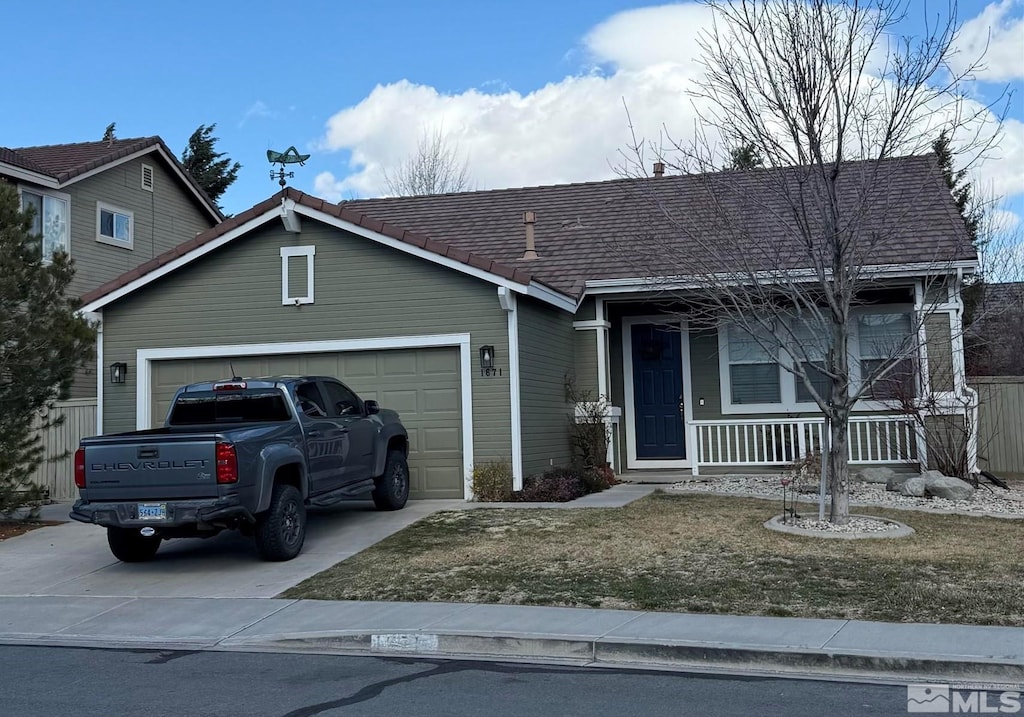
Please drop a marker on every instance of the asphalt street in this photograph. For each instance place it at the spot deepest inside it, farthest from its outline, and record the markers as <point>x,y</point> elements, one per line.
<point>38,681</point>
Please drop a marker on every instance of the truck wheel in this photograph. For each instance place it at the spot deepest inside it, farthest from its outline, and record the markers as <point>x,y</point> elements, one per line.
<point>392,488</point>
<point>281,531</point>
<point>129,546</point>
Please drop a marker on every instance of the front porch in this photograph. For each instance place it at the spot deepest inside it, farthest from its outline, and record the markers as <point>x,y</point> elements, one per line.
<point>676,403</point>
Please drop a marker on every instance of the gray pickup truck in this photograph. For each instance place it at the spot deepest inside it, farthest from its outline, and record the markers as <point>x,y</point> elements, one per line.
<point>243,454</point>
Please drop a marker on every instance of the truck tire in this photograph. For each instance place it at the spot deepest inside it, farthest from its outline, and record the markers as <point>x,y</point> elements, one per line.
<point>281,531</point>
<point>392,489</point>
<point>129,546</point>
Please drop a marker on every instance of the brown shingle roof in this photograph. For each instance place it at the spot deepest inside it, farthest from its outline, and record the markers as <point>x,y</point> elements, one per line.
<point>618,229</point>
<point>64,162</point>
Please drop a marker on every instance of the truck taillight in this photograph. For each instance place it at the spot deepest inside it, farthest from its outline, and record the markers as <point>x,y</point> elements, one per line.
<point>227,463</point>
<point>80,468</point>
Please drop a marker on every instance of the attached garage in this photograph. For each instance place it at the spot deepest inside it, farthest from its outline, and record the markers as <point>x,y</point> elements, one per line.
<point>422,384</point>
<point>295,286</point>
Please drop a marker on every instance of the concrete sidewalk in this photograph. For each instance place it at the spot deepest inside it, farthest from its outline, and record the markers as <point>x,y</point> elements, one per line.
<point>835,648</point>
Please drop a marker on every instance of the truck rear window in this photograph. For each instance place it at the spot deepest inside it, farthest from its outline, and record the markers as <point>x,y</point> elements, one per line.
<point>253,406</point>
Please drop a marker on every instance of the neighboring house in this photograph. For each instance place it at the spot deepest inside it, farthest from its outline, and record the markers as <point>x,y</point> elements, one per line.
<point>110,205</point>
<point>428,305</point>
<point>995,338</point>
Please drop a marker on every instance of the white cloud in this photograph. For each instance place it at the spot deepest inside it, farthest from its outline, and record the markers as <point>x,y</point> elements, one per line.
<point>569,130</point>
<point>995,36</point>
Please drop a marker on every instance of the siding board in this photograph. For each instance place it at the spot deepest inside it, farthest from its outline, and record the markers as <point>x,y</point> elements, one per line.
<point>546,339</point>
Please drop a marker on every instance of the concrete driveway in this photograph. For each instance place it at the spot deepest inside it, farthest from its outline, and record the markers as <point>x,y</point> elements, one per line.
<point>73,559</point>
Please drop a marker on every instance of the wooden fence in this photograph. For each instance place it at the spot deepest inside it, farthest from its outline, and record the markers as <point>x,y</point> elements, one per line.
<point>57,473</point>
<point>1000,423</point>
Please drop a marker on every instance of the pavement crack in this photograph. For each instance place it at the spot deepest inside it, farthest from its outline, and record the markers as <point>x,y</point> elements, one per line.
<point>374,690</point>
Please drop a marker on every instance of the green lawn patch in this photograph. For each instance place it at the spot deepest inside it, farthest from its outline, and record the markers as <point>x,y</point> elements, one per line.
<point>693,553</point>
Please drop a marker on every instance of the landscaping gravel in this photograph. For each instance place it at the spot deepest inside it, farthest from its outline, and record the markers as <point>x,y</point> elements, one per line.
<point>997,503</point>
<point>856,525</point>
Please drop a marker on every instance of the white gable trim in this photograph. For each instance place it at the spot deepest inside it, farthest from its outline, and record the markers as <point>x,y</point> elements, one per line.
<point>533,289</point>
<point>27,175</point>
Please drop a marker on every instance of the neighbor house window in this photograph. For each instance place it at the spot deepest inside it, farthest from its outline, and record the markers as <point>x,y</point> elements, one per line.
<point>114,226</point>
<point>50,221</point>
<point>753,367</point>
<point>881,340</point>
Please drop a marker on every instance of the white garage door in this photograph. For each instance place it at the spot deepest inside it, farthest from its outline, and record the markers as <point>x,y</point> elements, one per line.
<point>421,384</point>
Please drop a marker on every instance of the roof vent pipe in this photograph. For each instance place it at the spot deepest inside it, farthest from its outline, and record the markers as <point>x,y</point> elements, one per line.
<point>529,219</point>
<point>659,169</point>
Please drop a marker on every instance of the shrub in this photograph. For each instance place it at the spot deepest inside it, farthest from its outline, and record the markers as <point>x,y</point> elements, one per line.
<point>806,473</point>
<point>492,481</point>
<point>555,485</point>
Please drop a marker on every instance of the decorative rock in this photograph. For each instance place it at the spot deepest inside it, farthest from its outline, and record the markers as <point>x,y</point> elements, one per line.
<point>878,474</point>
<point>942,486</point>
<point>896,480</point>
<point>914,486</point>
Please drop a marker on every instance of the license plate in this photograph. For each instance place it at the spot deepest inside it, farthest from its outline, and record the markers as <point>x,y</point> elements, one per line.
<point>152,511</point>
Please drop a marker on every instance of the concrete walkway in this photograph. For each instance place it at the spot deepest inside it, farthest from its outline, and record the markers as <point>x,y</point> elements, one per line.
<point>835,648</point>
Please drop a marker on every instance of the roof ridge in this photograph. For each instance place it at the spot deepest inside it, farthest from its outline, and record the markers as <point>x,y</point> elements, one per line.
<point>79,144</point>
<point>623,180</point>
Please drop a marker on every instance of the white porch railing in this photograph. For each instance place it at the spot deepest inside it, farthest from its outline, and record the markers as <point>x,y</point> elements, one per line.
<point>780,441</point>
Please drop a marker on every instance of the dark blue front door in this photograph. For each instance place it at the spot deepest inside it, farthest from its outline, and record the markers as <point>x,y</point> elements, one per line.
<point>657,391</point>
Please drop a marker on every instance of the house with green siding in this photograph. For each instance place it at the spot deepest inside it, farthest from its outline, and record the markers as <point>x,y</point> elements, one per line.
<point>110,205</point>
<point>485,317</point>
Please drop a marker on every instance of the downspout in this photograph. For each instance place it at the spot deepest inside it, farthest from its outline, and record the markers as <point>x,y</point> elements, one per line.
<point>507,300</point>
<point>100,371</point>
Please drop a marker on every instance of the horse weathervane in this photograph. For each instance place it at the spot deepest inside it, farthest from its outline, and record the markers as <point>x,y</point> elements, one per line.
<point>289,156</point>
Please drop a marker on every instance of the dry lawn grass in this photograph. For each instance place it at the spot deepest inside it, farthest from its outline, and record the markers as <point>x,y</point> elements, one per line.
<point>693,553</point>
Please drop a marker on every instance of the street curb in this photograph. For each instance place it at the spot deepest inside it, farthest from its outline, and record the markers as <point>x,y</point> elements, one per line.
<point>621,653</point>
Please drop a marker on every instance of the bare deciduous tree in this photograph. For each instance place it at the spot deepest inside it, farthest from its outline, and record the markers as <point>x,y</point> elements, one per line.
<point>434,168</point>
<point>827,93</point>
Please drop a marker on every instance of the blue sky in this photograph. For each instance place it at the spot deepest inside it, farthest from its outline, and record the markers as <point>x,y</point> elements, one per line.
<point>530,90</point>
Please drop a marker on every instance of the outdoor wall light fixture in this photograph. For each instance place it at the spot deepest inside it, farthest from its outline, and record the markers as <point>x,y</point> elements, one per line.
<point>486,357</point>
<point>118,372</point>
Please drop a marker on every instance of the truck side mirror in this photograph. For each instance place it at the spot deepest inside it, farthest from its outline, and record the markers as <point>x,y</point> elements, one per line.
<point>371,407</point>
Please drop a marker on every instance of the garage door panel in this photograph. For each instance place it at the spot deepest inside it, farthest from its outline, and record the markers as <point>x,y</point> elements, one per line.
<point>323,365</point>
<point>423,385</point>
<point>400,363</point>
<point>440,479</point>
<point>438,364</point>
<point>441,440</point>
<point>441,400</point>
<point>403,401</point>
<point>363,364</point>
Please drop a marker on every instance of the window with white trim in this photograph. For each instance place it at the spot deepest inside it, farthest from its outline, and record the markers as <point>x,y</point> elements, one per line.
<point>115,226</point>
<point>755,379</point>
<point>812,340</point>
<point>50,221</point>
<point>882,339</point>
<point>753,369</point>
<point>297,275</point>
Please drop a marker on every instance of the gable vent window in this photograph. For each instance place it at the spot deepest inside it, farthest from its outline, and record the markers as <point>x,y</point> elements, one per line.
<point>147,178</point>
<point>297,275</point>
<point>115,226</point>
